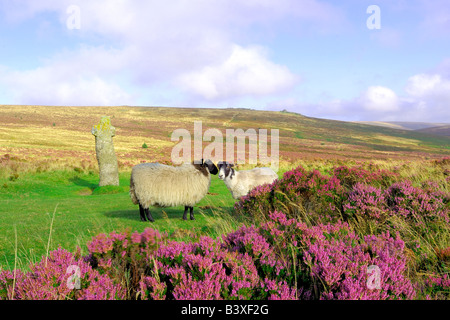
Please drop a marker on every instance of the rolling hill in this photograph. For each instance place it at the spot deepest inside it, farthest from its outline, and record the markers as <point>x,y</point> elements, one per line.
<point>426,127</point>
<point>49,135</point>
<point>443,130</point>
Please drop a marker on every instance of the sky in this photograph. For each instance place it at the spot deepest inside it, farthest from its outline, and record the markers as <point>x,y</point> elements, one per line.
<point>351,60</point>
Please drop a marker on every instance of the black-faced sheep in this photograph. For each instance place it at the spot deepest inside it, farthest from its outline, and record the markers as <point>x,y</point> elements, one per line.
<point>159,185</point>
<point>241,182</point>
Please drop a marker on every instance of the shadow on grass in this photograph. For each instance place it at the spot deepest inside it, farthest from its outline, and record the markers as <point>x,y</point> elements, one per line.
<point>83,183</point>
<point>175,213</point>
<point>157,214</point>
<point>132,214</point>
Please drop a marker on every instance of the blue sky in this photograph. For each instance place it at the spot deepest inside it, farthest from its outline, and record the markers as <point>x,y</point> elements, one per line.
<point>317,58</point>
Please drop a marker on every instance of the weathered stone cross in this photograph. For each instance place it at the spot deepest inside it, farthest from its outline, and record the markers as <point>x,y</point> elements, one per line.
<point>106,157</point>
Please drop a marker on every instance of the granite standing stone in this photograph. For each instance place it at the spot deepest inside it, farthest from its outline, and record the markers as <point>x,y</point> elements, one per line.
<point>106,157</point>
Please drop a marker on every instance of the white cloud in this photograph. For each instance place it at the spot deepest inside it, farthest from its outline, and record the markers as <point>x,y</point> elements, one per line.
<point>247,71</point>
<point>52,86</point>
<point>421,85</point>
<point>429,96</point>
<point>426,98</point>
<point>190,45</point>
<point>379,99</point>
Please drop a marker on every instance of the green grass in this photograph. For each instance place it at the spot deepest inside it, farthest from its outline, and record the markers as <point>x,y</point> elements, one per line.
<point>74,208</point>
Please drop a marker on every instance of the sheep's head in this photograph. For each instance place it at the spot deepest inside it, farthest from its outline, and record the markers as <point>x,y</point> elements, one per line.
<point>211,166</point>
<point>205,166</point>
<point>225,170</point>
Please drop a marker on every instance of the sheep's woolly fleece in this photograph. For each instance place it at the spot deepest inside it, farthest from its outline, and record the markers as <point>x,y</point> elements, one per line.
<point>245,180</point>
<point>155,184</point>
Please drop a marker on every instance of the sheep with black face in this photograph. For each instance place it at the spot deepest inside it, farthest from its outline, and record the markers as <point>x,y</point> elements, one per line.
<point>159,185</point>
<point>241,182</point>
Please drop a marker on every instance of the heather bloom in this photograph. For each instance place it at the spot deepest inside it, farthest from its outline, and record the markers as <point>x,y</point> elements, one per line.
<point>152,288</point>
<point>334,255</point>
<point>101,243</point>
<point>436,286</point>
<point>439,281</point>
<point>412,203</point>
<point>326,194</point>
<point>278,290</point>
<point>8,287</point>
<point>366,201</point>
<point>49,280</point>
<point>341,263</point>
<point>248,239</point>
<point>351,176</point>
<point>205,271</point>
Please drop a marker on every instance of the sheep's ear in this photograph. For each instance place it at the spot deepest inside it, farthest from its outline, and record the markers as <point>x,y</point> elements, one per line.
<point>231,173</point>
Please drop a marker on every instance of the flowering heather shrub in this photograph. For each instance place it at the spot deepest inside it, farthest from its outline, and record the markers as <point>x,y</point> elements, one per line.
<point>366,201</point>
<point>281,259</point>
<point>249,240</point>
<point>207,270</point>
<point>414,203</point>
<point>437,287</point>
<point>432,187</point>
<point>349,192</point>
<point>329,201</point>
<point>350,176</point>
<point>176,270</point>
<point>300,186</point>
<point>258,200</point>
<point>8,282</point>
<point>343,263</point>
<point>116,248</point>
<point>330,261</point>
<point>204,271</point>
<point>322,196</point>
<point>51,279</point>
<point>297,189</point>
<point>306,243</point>
<point>124,256</point>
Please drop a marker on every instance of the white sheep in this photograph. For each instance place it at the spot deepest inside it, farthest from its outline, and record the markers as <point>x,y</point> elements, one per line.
<point>159,185</point>
<point>241,182</point>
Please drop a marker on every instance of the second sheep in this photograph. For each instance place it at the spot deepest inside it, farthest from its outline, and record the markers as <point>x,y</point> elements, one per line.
<point>241,182</point>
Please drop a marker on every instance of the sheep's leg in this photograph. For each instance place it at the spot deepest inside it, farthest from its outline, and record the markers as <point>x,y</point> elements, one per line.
<point>149,215</point>
<point>141,212</point>
<point>185,212</point>
<point>191,213</point>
